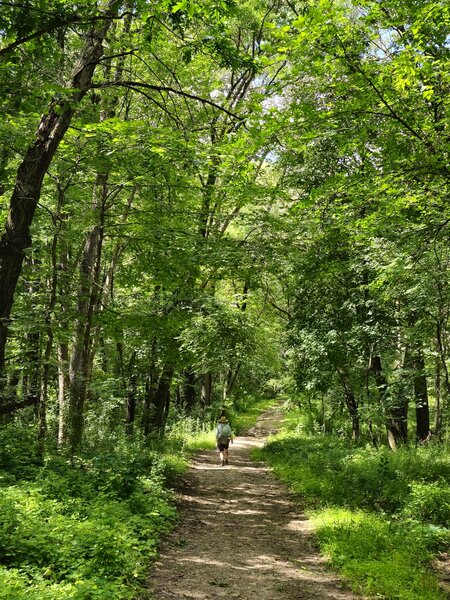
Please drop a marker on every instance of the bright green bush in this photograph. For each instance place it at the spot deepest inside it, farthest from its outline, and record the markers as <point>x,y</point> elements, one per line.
<point>191,434</point>
<point>380,557</point>
<point>86,531</point>
<point>380,515</point>
<point>429,502</point>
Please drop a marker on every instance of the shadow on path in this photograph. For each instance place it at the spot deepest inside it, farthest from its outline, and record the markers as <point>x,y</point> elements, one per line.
<point>240,535</point>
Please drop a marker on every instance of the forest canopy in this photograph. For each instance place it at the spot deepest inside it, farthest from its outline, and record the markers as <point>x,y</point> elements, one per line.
<point>204,199</point>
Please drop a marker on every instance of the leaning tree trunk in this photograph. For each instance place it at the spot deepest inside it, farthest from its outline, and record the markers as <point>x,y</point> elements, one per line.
<point>31,172</point>
<point>84,342</point>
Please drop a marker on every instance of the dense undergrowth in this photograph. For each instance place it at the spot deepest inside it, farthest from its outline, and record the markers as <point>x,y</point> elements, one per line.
<point>85,530</point>
<point>381,516</point>
<point>88,528</point>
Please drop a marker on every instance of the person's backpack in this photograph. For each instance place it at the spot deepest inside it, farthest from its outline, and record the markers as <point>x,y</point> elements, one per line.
<point>223,432</point>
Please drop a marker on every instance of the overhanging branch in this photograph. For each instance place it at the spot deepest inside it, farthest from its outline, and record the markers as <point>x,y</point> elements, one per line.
<point>53,26</point>
<point>136,85</point>
<point>10,407</point>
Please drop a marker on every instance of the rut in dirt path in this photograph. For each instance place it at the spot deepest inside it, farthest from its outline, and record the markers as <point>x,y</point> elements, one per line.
<point>240,535</point>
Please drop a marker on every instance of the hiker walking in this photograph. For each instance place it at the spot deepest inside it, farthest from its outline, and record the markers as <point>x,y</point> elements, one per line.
<point>224,436</point>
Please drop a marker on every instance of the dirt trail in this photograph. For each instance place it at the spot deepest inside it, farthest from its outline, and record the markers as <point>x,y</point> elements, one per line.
<point>240,535</point>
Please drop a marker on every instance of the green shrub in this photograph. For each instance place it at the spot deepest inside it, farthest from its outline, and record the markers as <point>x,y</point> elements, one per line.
<point>381,558</point>
<point>19,455</point>
<point>429,502</point>
<point>380,515</point>
<point>86,531</point>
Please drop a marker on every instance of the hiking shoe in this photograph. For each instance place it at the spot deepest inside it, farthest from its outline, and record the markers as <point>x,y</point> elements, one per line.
<point>226,462</point>
<point>223,463</point>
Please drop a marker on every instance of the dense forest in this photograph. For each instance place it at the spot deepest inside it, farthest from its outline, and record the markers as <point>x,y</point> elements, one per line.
<point>204,203</point>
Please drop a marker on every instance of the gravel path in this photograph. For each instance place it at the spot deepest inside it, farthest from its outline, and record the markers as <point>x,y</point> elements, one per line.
<point>240,535</point>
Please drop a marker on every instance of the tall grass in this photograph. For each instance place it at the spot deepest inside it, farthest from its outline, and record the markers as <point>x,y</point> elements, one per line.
<point>380,515</point>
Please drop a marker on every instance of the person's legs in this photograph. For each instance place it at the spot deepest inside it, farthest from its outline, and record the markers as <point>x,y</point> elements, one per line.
<point>225,454</point>
<point>222,450</point>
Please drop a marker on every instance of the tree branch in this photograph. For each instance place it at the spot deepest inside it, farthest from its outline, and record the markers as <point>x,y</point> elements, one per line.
<point>52,27</point>
<point>394,113</point>
<point>10,407</point>
<point>161,88</point>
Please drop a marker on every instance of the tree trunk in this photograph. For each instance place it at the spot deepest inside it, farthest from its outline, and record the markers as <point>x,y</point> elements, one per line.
<point>421,396</point>
<point>63,387</point>
<point>131,394</point>
<point>396,413</point>
<point>149,402</point>
<point>189,393</point>
<point>31,380</point>
<point>131,403</point>
<point>150,391</point>
<point>162,398</point>
<point>31,172</point>
<point>80,359</point>
<point>53,289</point>
<point>351,404</point>
<point>206,392</point>
<point>437,395</point>
<point>230,380</point>
<point>352,407</point>
<point>443,356</point>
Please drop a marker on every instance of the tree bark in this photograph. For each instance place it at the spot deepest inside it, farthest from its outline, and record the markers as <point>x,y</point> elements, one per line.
<point>206,392</point>
<point>53,288</point>
<point>396,413</point>
<point>63,387</point>
<point>189,392</point>
<point>352,407</point>
<point>421,396</point>
<point>131,394</point>
<point>230,380</point>
<point>31,380</point>
<point>150,390</point>
<point>149,402</point>
<point>79,365</point>
<point>162,398</point>
<point>31,172</point>
<point>437,396</point>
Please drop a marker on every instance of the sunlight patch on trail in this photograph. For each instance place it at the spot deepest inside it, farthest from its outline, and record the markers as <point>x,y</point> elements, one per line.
<point>242,537</point>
